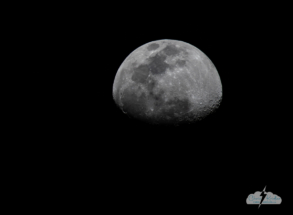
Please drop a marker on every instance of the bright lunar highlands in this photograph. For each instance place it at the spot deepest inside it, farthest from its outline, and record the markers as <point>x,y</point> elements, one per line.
<point>167,82</point>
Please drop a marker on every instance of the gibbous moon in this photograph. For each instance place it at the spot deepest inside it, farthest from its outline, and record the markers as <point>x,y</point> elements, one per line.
<point>167,82</point>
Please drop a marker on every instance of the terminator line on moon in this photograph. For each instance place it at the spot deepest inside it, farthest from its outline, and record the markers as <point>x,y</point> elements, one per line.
<point>167,82</point>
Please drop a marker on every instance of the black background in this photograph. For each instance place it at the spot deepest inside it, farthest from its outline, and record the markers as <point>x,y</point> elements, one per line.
<point>135,167</point>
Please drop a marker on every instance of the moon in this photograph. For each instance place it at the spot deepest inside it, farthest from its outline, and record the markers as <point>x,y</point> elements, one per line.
<point>167,82</point>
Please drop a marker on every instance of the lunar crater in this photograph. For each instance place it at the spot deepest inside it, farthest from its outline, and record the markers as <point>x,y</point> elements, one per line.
<point>171,50</point>
<point>153,46</point>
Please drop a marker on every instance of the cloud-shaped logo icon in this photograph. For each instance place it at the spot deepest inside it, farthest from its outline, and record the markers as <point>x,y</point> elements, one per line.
<point>259,198</point>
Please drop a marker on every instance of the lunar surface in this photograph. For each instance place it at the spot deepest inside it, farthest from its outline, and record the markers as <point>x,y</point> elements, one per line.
<point>167,82</point>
